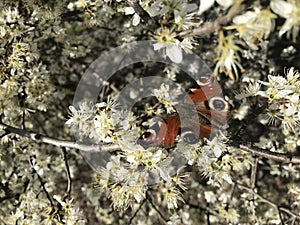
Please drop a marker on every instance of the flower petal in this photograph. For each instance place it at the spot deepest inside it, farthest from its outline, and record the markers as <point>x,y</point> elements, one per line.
<point>174,53</point>
<point>128,10</point>
<point>225,3</point>
<point>136,20</point>
<point>205,5</point>
<point>157,46</point>
<point>282,8</point>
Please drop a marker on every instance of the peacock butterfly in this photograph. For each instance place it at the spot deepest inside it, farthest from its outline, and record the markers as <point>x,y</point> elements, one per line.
<point>212,113</point>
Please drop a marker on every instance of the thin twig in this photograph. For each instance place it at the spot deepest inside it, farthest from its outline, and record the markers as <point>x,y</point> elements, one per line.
<point>232,191</point>
<point>149,198</point>
<point>263,199</point>
<point>135,213</point>
<point>208,217</point>
<point>4,134</point>
<point>253,172</point>
<point>23,120</point>
<point>276,156</point>
<point>67,168</point>
<point>280,216</point>
<point>57,142</point>
<point>215,25</point>
<point>42,182</point>
<point>143,14</point>
<point>203,208</point>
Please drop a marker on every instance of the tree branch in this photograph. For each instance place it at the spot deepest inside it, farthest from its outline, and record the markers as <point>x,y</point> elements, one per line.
<point>215,25</point>
<point>281,157</point>
<point>57,142</point>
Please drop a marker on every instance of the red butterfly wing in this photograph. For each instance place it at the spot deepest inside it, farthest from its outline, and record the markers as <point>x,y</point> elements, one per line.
<point>173,124</point>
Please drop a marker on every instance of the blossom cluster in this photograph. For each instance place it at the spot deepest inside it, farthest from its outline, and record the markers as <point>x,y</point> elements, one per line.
<point>284,100</point>
<point>283,97</point>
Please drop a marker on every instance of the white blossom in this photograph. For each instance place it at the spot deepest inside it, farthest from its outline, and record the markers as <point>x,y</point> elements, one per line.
<point>290,11</point>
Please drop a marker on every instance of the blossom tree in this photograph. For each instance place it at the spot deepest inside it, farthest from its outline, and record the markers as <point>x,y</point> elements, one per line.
<point>79,146</point>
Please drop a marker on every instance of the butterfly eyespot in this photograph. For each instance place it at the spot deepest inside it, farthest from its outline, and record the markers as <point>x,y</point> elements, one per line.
<point>205,80</point>
<point>218,103</point>
<point>148,136</point>
<point>189,137</point>
<point>153,136</point>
